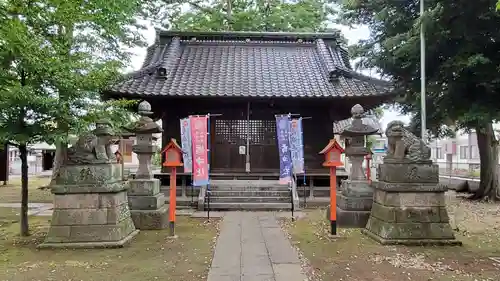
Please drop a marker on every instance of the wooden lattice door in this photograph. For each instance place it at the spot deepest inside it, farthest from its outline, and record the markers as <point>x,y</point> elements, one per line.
<point>230,147</point>
<point>230,135</point>
<point>263,146</point>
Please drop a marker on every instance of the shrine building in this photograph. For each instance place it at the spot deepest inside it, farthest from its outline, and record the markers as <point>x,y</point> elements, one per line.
<point>244,79</point>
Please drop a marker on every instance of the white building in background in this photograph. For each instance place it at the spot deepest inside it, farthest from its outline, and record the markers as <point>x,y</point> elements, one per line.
<point>458,155</point>
<point>40,158</point>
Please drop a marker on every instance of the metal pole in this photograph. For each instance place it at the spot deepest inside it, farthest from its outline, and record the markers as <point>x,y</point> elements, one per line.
<point>247,164</point>
<point>208,165</point>
<point>423,113</point>
<point>208,190</point>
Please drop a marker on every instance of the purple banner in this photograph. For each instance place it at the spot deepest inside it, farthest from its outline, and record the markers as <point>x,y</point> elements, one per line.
<point>296,146</point>
<point>186,145</point>
<point>283,135</point>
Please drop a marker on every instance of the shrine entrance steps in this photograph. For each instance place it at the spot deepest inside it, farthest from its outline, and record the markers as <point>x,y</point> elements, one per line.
<point>255,195</point>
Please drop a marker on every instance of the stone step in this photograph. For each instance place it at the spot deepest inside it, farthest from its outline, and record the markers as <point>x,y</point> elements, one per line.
<point>250,206</point>
<point>247,193</point>
<point>250,188</point>
<point>247,185</point>
<point>182,201</point>
<point>273,199</point>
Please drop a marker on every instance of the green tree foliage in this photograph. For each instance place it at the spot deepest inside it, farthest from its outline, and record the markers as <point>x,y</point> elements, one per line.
<point>250,15</point>
<point>55,56</point>
<point>462,63</point>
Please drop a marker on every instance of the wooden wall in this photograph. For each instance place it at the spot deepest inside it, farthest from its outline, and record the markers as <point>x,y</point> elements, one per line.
<point>317,128</point>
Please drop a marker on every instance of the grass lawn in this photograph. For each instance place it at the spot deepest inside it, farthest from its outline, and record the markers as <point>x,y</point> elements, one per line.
<point>11,193</point>
<point>150,256</point>
<point>355,257</point>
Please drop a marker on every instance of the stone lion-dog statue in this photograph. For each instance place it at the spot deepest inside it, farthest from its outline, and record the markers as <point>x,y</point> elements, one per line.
<point>403,145</point>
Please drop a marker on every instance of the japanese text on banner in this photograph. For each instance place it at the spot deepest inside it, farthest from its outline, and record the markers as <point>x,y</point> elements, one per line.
<point>296,146</point>
<point>187,152</point>
<point>283,135</point>
<point>200,149</point>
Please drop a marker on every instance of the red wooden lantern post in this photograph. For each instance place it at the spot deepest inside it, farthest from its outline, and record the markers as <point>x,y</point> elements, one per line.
<point>173,159</point>
<point>332,154</point>
<point>368,158</point>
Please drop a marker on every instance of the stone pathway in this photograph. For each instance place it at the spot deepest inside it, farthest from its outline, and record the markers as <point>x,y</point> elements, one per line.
<point>252,247</point>
<point>36,209</point>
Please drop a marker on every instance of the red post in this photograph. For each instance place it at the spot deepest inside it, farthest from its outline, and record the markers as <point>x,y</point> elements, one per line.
<point>173,199</point>
<point>333,200</point>
<point>173,157</point>
<point>332,154</point>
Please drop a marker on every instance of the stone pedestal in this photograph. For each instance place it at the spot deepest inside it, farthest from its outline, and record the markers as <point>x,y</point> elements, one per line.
<point>354,203</point>
<point>90,208</point>
<point>409,206</point>
<point>147,204</point>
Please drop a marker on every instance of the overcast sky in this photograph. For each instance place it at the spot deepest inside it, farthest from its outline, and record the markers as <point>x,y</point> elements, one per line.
<point>352,35</point>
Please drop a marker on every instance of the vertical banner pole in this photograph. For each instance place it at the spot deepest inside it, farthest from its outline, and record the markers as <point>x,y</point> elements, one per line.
<point>208,165</point>
<point>187,150</point>
<point>201,153</point>
<point>172,201</point>
<point>292,172</point>
<point>333,200</point>
<point>283,138</point>
<point>297,150</point>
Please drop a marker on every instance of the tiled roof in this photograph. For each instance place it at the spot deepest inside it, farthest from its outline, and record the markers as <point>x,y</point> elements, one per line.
<point>339,126</point>
<point>247,64</point>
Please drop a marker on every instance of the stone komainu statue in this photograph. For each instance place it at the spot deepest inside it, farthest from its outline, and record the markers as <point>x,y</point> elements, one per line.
<point>404,145</point>
<point>90,149</point>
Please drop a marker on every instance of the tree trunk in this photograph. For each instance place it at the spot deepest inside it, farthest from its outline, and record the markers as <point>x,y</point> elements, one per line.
<point>24,189</point>
<point>488,155</point>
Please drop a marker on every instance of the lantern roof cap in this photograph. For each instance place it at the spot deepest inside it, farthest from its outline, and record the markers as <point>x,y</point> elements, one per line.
<point>332,145</point>
<point>357,127</point>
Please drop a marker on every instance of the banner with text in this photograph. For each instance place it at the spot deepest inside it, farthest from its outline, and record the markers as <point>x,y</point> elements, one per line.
<point>199,138</point>
<point>297,146</point>
<point>283,136</point>
<point>187,151</point>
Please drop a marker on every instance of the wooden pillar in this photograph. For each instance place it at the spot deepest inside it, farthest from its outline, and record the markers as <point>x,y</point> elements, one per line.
<point>311,187</point>
<point>165,139</point>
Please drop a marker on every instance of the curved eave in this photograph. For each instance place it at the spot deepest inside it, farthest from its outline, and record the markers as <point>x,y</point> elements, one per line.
<point>110,94</point>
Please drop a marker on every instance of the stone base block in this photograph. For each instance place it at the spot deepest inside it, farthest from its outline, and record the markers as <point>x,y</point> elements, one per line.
<point>416,233</point>
<point>95,178</point>
<point>354,203</point>
<point>410,214</point>
<point>352,219</point>
<point>107,235</point>
<point>90,220</point>
<point>146,202</point>
<point>356,188</point>
<point>409,199</point>
<point>150,219</point>
<point>144,187</point>
<point>89,245</point>
<point>408,172</point>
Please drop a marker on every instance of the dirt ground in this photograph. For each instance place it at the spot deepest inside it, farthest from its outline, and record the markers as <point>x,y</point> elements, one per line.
<point>355,257</point>
<point>150,256</point>
<point>11,193</point>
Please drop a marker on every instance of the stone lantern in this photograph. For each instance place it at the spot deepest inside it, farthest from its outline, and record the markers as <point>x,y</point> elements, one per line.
<point>355,200</point>
<point>146,203</point>
<point>144,130</point>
